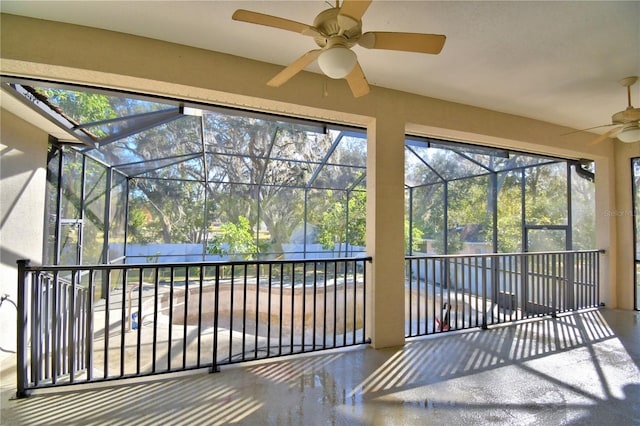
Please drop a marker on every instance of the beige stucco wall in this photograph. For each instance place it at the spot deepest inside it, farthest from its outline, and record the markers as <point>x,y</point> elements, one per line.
<point>57,51</point>
<point>622,216</point>
<point>23,157</point>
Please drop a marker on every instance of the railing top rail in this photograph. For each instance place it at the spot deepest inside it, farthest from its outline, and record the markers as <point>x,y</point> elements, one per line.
<point>519,254</point>
<point>54,268</point>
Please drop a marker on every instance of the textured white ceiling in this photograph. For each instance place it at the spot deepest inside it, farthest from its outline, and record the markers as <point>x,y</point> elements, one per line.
<point>555,61</point>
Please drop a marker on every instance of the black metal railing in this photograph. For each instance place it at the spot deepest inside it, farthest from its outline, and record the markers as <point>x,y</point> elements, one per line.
<point>81,324</point>
<point>455,292</point>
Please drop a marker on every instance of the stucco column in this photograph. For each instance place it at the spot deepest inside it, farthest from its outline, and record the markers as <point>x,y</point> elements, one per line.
<point>23,177</point>
<point>606,230</point>
<point>385,232</point>
<point>620,217</point>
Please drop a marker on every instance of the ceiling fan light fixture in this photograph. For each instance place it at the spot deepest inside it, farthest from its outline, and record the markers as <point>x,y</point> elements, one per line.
<point>337,62</point>
<point>630,134</point>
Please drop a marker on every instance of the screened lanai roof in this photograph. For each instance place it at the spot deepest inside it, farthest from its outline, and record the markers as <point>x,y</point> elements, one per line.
<point>431,161</point>
<point>160,138</point>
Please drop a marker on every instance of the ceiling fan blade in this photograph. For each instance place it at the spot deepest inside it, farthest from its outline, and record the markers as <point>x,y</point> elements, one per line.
<point>294,68</point>
<point>406,42</point>
<point>274,22</point>
<point>357,81</point>
<point>610,134</point>
<point>587,129</point>
<point>351,12</point>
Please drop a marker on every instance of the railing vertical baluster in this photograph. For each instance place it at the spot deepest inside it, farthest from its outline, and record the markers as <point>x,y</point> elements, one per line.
<point>473,291</point>
<point>355,299</point>
<point>546,281</point>
<point>502,286</point>
<point>23,337</point>
<point>596,278</point>
<point>447,316</point>
<point>583,280</point>
<point>304,303</point>
<point>596,273</point>
<point>231,309</point>
<point>463,281</point>
<point>47,327</point>
<point>335,304</point>
<point>555,285</point>
<point>65,329</point>
<point>536,278</point>
<point>484,292</point>
<point>107,326</point>
<point>440,282</point>
<point>589,287</point>
<point>429,284</point>
<point>216,314</point>
<point>41,295</point>
<point>269,301</point>
<point>257,309</point>
<point>588,281</point>
<point>436,278</point>
<point>81,331</point>
<point>281,308</point>
<point>185,319</point>
<point>35,327</point>
<point>124,320</point>
<point>243,349</point>
<point>199,337</point>
<point>567,273</point>
<point>55,338</point>
<point>293,295</point>
<point>72,328</point>
<point>89,330</point>
<point>154,345</point>
<point>410,297</point>
<point>364,300</point>
<point>344,305</point>
<point>315,305</point>
<point>456,280</point>
<point>172,277</point>
<point>579,286</point>
<point>468,287</point>
<point>139,319</point>
<point>324,308</point>
<point>418,297</point>
<point>570,285</point>
<point>588,284</point>
<point>513,286</point>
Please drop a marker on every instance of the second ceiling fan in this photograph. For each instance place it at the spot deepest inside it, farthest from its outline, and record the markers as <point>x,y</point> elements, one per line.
<point>336,31</point>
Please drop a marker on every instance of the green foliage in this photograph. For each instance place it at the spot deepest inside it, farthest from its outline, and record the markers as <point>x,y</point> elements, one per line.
<point>139,226</point>
<point>416,237</point>
<point>333,227</point>
<point>234,239</point>
<point>469,206</point>
<point>82,107</point>
<point>510,214</point>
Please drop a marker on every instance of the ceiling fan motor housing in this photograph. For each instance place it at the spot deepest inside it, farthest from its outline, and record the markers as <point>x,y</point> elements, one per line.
<point>331,33</point>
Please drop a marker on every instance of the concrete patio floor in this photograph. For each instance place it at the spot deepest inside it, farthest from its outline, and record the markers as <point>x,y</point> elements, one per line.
<point>579,368</point>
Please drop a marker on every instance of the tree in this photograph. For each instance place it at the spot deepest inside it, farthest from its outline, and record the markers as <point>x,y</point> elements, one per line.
<point>334,227</point>
<point>234,239</point>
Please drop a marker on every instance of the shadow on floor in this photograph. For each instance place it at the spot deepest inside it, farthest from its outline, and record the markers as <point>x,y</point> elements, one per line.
<point>579,368</point>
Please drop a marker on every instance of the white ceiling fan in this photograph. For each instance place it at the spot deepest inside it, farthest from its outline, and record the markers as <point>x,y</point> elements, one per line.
<point>336,31</point>
<point>626,123</point>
